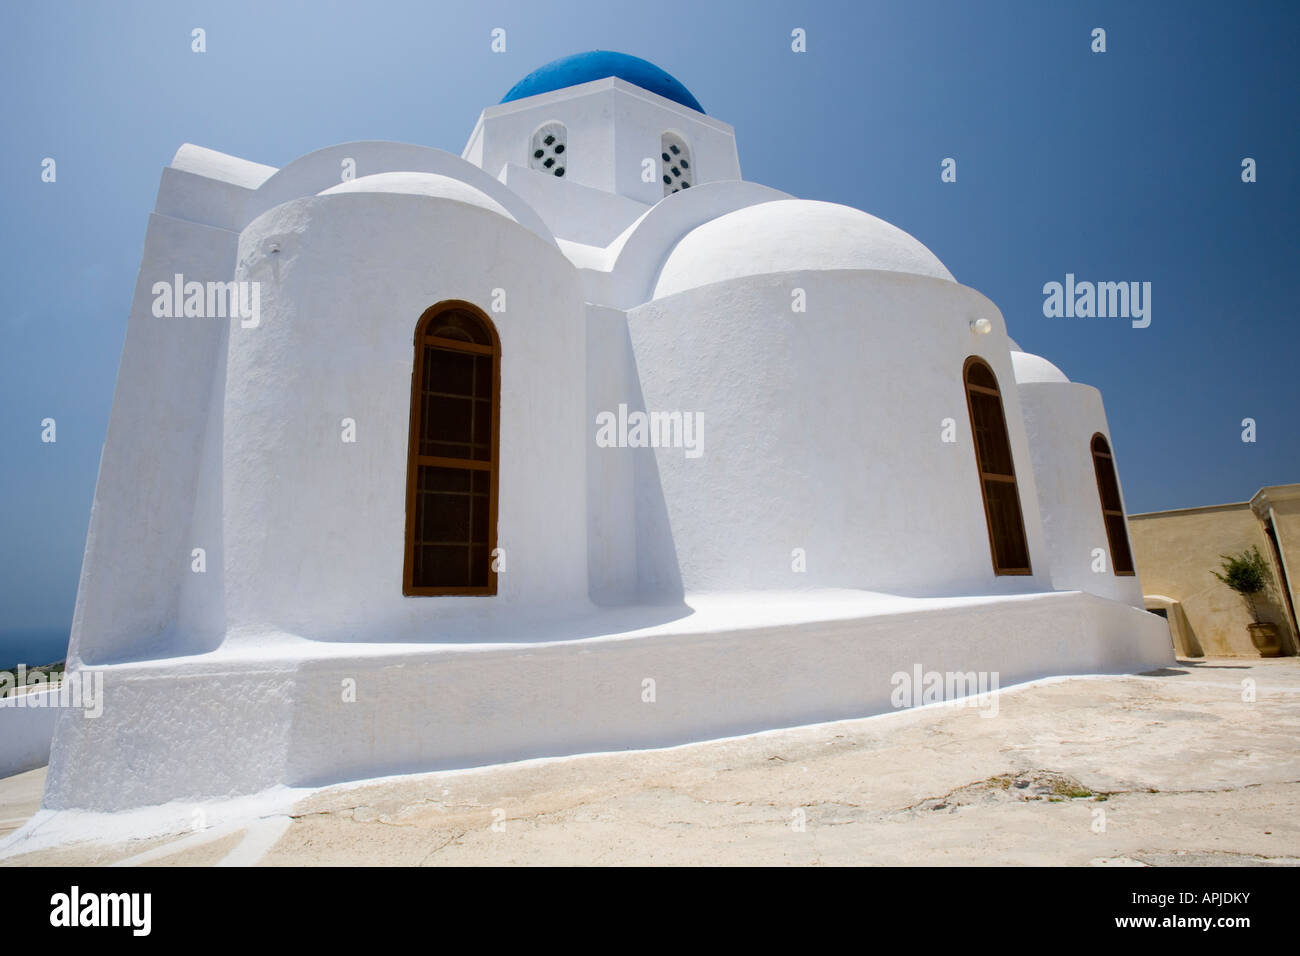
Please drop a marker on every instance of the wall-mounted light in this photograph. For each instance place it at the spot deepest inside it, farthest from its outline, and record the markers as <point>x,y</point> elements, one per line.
<point>981,326</point>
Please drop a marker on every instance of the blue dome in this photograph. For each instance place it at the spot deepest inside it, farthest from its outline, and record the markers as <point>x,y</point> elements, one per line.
<point>597,65</point>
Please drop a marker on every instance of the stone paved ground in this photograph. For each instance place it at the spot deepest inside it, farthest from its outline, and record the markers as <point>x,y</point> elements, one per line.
<point>1173,768</point>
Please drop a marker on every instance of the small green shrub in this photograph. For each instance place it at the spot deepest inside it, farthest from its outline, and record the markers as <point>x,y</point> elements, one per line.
<point>1247,574</point>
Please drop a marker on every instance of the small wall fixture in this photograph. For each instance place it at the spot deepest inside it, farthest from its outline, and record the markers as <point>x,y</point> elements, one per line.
<point>981,326</point>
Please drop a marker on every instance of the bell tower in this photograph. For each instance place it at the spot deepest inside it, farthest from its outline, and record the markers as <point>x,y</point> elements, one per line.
<point>608,121</point>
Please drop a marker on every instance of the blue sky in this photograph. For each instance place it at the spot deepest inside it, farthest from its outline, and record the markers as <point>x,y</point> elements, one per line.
<point>1116,166</point>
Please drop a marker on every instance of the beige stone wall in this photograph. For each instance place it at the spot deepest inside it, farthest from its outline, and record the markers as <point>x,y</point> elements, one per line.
<point>1175,552</point>
<point>1286,518</point>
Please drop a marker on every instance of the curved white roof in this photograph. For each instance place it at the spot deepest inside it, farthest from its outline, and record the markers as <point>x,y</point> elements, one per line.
<point>788,235</point>
<point>214,165</point>
<point>1031,369</point>
<point>421,184</point>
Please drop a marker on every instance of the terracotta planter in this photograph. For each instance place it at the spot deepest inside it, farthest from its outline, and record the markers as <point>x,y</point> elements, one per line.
<point>1266,638</point>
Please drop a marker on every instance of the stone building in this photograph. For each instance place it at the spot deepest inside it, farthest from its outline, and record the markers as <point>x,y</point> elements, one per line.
<point>1176,552</point>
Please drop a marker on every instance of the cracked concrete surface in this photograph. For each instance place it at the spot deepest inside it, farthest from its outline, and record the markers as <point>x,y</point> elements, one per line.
<point>1173,768</point>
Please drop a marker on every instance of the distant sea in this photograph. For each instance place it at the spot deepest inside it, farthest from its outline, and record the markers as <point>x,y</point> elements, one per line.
<point>32,646</point>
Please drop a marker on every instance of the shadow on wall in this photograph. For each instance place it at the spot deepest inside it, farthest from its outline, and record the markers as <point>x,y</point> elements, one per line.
<point>1208,625</point>
<point>1180,629</point>
<point>658,571</point>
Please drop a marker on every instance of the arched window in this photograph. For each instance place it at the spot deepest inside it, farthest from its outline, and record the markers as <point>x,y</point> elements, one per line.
<point>1112,510</point>
<point>451,479</point>
<point>997,470</point>
<point>548,151</point>
<point>676,165</point>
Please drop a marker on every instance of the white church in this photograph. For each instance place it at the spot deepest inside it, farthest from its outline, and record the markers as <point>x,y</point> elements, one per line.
<point>573,442</point>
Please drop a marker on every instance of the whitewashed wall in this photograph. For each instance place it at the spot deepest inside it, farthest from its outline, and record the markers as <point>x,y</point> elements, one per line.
<point>823,432</point>
<point>314,528</point>
<point>26,731</point>
<point>1060,418</point>
<point>222,726</point>
<point>137,548</point>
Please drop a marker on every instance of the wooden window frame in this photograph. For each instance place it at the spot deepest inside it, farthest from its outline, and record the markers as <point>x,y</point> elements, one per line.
<point>414,460</point>
<point>1109,457</point>
<point>969,387</point>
